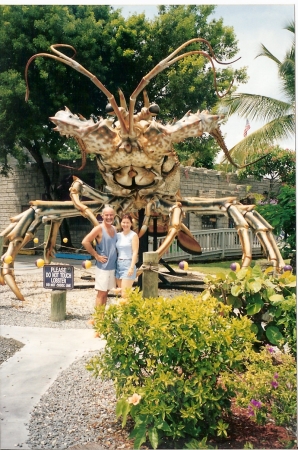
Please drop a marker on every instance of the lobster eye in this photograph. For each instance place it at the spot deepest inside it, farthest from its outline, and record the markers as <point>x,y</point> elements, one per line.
<point>109,109</point>
<point>154,108</point>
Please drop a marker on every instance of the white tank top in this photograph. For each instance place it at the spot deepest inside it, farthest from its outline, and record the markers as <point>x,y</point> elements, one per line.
<point>124,245</point>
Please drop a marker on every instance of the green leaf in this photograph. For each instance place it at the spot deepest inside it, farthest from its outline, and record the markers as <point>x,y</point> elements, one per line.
<point>120,406</point>
<point>139,435</point>
<point>231,299</point>
<point>163,426</point>
<point>242,273</point>
<point>274,335</point>
<point>276,298</point>
<point>206,294</point>
<point>256,272</point>
<point>236,290</point>
<point>221,276</point>
<point>234,301</point>
<point>255,286</point>
<point>153,437</point>
<point>233,276</point>
<point>254,328</point>
<point>122,409</point>
<point>254,308</point>
<point>254,298</point>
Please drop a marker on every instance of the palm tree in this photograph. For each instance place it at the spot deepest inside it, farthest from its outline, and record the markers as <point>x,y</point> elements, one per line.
<point>279,115</point>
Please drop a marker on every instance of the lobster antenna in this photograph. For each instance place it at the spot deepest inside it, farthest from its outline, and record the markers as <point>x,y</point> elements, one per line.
<point>167,62</point>
<point>79,68</point>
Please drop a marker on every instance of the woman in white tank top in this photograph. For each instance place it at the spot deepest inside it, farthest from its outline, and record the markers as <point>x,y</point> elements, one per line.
<point>127,249</point>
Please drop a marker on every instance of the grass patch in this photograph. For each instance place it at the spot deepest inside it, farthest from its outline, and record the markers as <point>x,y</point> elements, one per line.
<point>216,267</point>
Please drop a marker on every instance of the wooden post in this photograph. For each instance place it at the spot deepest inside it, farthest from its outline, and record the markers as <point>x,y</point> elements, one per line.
<point>58,306</point>
<point>150,278</point>
<point>1,244</point>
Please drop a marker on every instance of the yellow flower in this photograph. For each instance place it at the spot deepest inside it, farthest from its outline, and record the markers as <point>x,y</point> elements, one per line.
<point>134,399</point>
<point>123,301</point>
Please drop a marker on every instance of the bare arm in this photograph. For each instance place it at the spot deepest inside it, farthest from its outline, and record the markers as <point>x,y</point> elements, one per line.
<point>96,233</point>
<point>135,252</point>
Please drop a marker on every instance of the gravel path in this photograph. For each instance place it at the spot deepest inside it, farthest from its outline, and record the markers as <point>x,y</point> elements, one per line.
<point>35,311</point>
<point>8,348</point>
<point>77,410</point>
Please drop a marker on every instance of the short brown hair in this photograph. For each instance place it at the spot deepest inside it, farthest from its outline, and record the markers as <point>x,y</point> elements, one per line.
<point>126,216</point>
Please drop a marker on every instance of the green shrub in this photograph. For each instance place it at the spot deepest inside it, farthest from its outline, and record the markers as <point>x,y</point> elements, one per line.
<point>267,387</point>
<point>166,357</point>
<point>269,299</point>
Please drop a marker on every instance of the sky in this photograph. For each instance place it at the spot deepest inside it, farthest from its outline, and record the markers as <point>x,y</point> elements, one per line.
<point>254,24</point>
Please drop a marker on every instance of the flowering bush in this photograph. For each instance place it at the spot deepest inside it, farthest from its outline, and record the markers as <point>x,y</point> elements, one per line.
<point>268,386</point>
<point>165,357</point>
<point>269,299</point>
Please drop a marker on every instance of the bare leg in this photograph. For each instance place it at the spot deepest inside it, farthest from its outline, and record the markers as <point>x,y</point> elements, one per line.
<point>126,284</point>
<point>117,290</point>
<point>101,298</point>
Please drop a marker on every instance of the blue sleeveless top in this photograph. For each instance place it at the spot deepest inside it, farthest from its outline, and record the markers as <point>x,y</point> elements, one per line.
<point>124,246</point>
<point>107,247</point>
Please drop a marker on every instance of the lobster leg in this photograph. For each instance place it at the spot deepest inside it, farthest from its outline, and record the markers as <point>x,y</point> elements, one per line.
<point>24,225</point>
<point>15,244</point>
<point>176,216</point>
<point>245,217</point>
<point>263,231</point>
<point>242,230</point>
<point>8,268</point>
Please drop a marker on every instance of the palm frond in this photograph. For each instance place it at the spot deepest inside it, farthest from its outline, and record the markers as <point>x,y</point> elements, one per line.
<point>291,27</point>
<point>278,115</point>
<point>254,106</point>
<point>265,52</point>
<point>268,135</point>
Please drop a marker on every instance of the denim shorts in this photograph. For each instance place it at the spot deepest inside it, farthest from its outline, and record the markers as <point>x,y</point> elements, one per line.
<point>122,268</point>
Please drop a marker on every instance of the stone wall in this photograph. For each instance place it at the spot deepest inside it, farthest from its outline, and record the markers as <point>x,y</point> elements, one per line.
<point>216,184</point>
<point>25,185</point>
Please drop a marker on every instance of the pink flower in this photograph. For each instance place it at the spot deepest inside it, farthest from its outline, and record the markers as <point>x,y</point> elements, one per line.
<point>256,403</point>
<point>250,411</point>
<point>274,384</point>
<point>134,399</point>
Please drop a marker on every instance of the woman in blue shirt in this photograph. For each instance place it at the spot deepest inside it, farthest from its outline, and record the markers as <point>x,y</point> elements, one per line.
<point>127,249</point>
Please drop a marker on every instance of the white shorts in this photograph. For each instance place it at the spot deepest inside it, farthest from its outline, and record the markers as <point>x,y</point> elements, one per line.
<point>104,279</point>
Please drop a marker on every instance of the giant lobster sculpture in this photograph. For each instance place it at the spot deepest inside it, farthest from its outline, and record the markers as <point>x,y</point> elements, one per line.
<point>135,156</point>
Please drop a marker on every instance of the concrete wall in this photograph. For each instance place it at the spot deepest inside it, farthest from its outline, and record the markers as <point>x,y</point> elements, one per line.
<point>25,185</point>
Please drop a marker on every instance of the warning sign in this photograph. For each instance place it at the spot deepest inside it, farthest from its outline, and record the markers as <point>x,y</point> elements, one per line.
<point>57,277</point>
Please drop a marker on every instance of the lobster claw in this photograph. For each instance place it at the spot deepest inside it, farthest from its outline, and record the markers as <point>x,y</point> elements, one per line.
<point>188,243</point>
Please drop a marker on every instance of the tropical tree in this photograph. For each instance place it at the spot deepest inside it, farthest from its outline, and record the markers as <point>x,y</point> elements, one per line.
<point>25,128</point>
<point>279,116</point>
<point>279,168</point>
<point>118,51</point>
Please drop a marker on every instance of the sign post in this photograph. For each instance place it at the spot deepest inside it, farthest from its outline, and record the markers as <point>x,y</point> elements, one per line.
<point>59,278</point>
